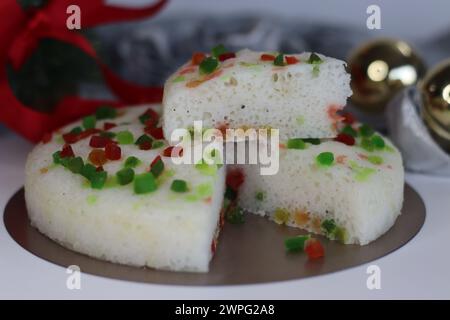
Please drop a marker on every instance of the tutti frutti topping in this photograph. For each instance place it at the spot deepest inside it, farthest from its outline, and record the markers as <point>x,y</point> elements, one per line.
<point>352,134</point>
<point>106,146</point>
<point>207,66</point>
<point>305,243</point>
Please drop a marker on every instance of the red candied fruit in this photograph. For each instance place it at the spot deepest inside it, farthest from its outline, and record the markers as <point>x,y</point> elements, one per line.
<point>235,178</point>
<point>197,58</point>
<point>173,151</point>
<point>97,157</point>
<point>156,133</point>
<point>113,151</point>
<point>99,141</point>
<point>87,133</point>
<point>67,152</point>
<point>70,138</point>
<point>348,118</point>
<point>108,125</point>
<point>151,118</point>
<point>345,139</point>
<point>146,145</point>
<point>99,169</point>
<point>226,56</point>
<point>267,57</point>
<point>314,249</point>
<point>291,60</point>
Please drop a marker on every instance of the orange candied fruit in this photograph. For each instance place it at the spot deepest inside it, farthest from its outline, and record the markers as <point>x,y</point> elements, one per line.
<point>197,58</point>
<point>97,157</point>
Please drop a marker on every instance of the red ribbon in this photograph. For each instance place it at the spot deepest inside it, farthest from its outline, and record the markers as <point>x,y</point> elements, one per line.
<point>20,33</point>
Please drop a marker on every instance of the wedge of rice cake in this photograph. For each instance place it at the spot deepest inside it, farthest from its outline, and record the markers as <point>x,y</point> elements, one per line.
<point>351,193</point>
<point>299,95</point>
<point>147,222</point>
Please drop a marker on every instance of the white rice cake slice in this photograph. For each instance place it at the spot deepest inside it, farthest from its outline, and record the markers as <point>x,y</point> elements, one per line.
<point>162,229</point>
<point>355,200</point>
<point>300,99</point>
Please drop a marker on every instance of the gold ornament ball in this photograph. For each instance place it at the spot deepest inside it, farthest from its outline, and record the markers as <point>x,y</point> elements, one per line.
<point>379,69</point>
<point>435,92</point>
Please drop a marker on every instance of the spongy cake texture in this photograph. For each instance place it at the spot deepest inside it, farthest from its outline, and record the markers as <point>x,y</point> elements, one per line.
<point>162,229</point>
<point>361,193</point>
<point>300,99</point>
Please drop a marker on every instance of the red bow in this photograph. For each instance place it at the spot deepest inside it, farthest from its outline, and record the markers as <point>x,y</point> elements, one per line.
<point>20,33</point>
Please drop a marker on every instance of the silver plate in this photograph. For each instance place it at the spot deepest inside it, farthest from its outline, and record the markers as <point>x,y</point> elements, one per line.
<point>249,253</point>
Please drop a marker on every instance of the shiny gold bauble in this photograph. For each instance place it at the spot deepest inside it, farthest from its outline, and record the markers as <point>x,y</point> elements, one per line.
<point>379,69</point>
<point>435,92</point>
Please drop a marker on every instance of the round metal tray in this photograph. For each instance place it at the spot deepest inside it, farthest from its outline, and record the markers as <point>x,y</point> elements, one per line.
<point>249,253</point>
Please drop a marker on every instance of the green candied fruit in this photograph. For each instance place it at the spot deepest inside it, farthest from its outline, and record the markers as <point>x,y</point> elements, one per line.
<point>315,70</point>
<point>143,118</point>
<point>75,164</point>
<point>206,169</point>
<point>89,122</point>
<point>279,60</point>
<point>57,157</point>
<point>208,65</point>
<point>88,171</point>
<point>76,130</point>
<point>230,194</point>
<point>348,130</point>
<point>125,176</point>
<point>367,144</point>
<point>296,244</point>
<point>65,161</point>
<point>325,159</point>
<point>378,142</point>
<point>157,144</point>
<point>98,179</point>
<point>296,143</point>
<point>157,168</point>
<point>179,186</point>
<point>341,234</point>
<point>363,174</point>
<point>314,59</point>
<point>375,160</point>
<point>366,130</point>
<point>218,50</point>
<point>235,216</point>
<point>328,226</point>
<point>105,112</point>
<point>260,195</point>
<point>313,141</point>
<point>125,137</point>
<point>144,183</point>
<point>107,134</point>
<point>204,190</point>
<point>179,79</point>
<point>142,139</point>
<point>132,162</point>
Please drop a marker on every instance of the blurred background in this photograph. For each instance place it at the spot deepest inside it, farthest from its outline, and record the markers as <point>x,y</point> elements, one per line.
<point>146,51</point>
